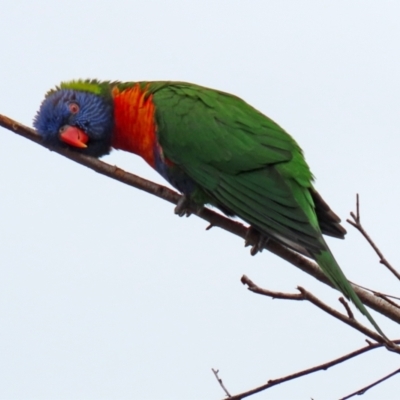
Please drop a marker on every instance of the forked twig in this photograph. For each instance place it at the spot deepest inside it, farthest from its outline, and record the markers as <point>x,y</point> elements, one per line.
<point>379,294</point>
<point>216,371</point>
<point>357,224</point>
<point>308,371</point>
<point>306,295</point>
<point>387,297</point>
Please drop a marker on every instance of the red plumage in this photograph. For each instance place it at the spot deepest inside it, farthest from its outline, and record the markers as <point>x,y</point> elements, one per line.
<point>134,122</point>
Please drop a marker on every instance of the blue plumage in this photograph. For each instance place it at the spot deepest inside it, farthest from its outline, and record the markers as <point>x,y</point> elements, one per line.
<point>87,111</point>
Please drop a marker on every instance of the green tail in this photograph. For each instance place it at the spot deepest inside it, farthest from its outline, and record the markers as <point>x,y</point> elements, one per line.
<point>332,270</point>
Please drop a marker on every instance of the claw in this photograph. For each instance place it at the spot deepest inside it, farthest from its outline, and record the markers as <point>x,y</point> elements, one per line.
<point>253,235</point>
<point>186,206</point>
<point>182,207</point>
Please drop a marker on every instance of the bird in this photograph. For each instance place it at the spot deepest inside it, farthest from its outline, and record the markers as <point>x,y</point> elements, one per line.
<point>210,145</point>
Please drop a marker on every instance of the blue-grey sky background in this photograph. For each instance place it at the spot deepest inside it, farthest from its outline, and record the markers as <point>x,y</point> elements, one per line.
<point>104,292</point>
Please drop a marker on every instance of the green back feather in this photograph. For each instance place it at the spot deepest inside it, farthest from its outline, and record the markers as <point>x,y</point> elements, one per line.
<point>249,164</point>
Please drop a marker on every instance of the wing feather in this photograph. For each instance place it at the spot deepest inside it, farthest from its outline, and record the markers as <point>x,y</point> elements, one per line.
<point>241,159</point>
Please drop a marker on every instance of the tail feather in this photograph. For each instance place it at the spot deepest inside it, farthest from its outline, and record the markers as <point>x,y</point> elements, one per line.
<point>332,270</point>
<point>328,221</point>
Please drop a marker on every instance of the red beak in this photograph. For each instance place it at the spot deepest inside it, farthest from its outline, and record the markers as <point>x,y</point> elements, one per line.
<point>74,136</point>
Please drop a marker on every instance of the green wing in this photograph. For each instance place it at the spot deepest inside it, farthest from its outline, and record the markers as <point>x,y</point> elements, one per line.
<point>248,164</point>
<point>242,159</point>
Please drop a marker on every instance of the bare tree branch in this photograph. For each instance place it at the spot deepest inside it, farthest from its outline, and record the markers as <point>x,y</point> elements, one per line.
<point>215,219</point>
<point>378,301</point>
<point>380,294</point>
<point>321,367</point>
<point>215,371</point>
<point>306,295</point>
<point>357,224</point>
<point>364,389</point>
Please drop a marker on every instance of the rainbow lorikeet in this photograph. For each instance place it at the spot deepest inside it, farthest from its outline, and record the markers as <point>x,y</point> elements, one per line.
<point>213,147</point>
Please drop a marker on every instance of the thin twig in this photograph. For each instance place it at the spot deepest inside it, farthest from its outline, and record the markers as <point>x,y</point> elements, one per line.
<point>347,307</point>
<point>306,295</point>
<point>220,381</point>
<point>386,298</point>
<point>357,224</point>
<point>308,371</point>
<point>379,294</point>
<point>212,217</point>
<point>366,388</point>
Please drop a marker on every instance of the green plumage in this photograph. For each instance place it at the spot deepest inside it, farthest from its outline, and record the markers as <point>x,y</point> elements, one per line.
<point>245,163</point>
<point>217,149</point>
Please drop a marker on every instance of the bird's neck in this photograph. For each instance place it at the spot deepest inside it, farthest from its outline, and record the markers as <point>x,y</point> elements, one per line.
<point>134,122</point>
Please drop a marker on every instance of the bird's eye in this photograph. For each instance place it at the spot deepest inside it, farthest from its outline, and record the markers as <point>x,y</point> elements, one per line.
<point>73,107</point>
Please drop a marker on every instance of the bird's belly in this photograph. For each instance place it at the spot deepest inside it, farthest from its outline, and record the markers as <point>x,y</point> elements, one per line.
<point>175,176</point>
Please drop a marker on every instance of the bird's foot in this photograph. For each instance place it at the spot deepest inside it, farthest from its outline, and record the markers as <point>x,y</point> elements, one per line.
<point>254,236</point>
<point>185,206</point>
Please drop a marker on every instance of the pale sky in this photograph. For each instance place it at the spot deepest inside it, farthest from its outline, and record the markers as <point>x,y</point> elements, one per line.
<point>104,292</point>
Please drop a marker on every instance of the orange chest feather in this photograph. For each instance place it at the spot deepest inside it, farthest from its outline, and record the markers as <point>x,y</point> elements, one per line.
<point>134,125</point>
